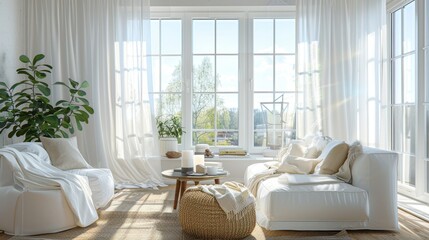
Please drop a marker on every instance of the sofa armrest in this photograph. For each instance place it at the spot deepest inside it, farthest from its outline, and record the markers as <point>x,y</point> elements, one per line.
<point>376,172</point>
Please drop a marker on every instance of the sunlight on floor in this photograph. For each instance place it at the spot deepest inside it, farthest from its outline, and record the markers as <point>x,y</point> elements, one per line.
<point>414,207</point>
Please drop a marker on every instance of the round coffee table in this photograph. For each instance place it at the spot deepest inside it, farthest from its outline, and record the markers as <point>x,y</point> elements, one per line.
<point>182,179</point>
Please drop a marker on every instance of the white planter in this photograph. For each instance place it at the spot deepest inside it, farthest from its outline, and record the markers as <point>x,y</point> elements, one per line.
<point>167,144</point>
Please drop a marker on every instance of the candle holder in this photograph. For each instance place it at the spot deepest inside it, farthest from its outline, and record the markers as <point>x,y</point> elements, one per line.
<point>187,161</point>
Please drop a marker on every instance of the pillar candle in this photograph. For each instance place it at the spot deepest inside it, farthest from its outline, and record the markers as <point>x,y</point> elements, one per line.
<point>187,160</point>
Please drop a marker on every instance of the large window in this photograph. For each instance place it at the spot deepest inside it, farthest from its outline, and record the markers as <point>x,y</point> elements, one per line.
<point>215,71</point>
<point>403,72</point>
<point>166,59</point>
<point>215,114</point>
<point>274,90</point>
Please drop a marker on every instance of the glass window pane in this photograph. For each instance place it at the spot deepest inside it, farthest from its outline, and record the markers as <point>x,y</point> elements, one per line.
<point>263,73</point>
<point>155,74</point>
<point>397,33</point>
<point>203,74</point>
<point>409,27</point>
<point>397,123</point>
<point>227,36</point>
<point>203,137</point>
<point>227,111</point>
<point>263,35</point>
<point>409,79</point>
<point>409,169</point>
<point>154,36</point>
<point>171,37</point>
<point>170,104</point>
<point>427,73</point>
<point>285,35</point>
<point>285,73</point>
<point>427,176</point>
<point>410,130</point>
<point>227,73</point>
<point>427,132</point>
<point>203,36</point>
<point>258,118</point>
<point>397,80</point>
<point>227,138</point>
<point>203,111</point>
<point>171,74</point>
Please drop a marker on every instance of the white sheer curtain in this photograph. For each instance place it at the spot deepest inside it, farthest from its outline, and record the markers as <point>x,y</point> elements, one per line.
<point>106,43</point>
<point>339,64</point>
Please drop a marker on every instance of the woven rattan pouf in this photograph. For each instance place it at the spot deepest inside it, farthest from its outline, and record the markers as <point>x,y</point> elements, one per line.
<point>201,216</point>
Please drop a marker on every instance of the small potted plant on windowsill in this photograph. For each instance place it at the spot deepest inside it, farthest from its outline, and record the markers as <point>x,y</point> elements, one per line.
<point>170,132</point>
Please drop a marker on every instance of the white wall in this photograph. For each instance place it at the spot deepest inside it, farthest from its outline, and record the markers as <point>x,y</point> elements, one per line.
<point>11,43</point>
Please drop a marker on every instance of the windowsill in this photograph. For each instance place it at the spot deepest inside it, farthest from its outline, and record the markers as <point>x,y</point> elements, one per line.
<point>229,158</point>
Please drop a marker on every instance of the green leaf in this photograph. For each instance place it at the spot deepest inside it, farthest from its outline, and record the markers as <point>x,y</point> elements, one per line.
<point>52,120</point>
<point>3,84</point>
<point>60,102</point>
<point>37,58</point>
<point>81,93</point>
<point>24,59</point>
<point>45,90</point>
<point>84,84</point>
<point>86,102</point>
<point>89,109</point>
<point>78,124</point>
<point>61,83</point>
<point>40,74</point>
<point>73,83</point>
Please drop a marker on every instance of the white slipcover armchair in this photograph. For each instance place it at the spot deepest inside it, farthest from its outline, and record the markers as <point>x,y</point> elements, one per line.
<point>31,211</point>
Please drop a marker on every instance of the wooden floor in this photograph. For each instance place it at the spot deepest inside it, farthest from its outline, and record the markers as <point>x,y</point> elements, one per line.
<point>411,228</point>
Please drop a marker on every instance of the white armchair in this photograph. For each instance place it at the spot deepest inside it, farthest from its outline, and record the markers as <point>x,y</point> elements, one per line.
<point>30,211</point>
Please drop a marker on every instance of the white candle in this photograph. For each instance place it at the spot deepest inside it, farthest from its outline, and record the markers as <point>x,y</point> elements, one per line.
<point>187,159</point>
<point>198,159</point>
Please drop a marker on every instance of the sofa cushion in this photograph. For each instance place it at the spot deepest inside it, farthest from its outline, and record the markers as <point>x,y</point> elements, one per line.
<point>312,203</point>
<point>64,153</point>
<point>332,156</point>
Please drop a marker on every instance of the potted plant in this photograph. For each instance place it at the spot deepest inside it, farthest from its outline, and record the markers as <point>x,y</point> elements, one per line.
<point>26,109</point>
<point>170,132</point>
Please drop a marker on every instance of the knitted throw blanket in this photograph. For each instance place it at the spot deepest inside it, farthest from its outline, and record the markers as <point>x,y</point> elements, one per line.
<point>234,198</point>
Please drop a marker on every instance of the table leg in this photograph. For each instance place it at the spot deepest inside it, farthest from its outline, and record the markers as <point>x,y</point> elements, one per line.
<point>182,188</point>
<point>217,181</point>
<point>176,194</point>
<point>196,182</point>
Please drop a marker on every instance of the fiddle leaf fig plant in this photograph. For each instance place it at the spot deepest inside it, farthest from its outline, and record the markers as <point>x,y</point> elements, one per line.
<point>26,109</point>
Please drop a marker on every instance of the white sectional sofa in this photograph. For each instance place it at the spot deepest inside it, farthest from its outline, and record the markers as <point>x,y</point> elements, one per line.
<point>31,211</point>
<point>370,202</point>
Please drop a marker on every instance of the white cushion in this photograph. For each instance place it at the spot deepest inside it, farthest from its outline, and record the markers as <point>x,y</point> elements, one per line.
<point>64,153</point>
<point>310,203</point>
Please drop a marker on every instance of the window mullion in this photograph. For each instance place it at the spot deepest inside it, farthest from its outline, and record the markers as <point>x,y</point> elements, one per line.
<point>187,93</point>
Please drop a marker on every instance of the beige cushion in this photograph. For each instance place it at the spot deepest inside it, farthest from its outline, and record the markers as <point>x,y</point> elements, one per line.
<point>312,152</point>
<point>297,165</point>
<point>64,153</point>
<point>295,148</point>
<point>332,156</point>
<point>344,173</point>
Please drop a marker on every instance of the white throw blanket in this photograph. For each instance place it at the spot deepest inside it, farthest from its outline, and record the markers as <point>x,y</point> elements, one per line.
<point>299,179</point>
<point>31,173</point>
<point>254,180</point>
<point>234,198</point>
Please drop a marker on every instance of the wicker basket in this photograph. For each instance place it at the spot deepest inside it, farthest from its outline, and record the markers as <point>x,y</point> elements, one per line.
<point>201,216</point>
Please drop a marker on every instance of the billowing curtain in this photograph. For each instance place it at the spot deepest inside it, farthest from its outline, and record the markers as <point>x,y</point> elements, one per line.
<point>106,43</point>
<point>340,69</point>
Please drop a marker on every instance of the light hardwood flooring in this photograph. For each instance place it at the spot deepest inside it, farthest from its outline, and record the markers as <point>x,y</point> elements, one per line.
<point>161,201</point>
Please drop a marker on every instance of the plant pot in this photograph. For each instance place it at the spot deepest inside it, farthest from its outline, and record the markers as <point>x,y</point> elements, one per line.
<point>167,144</point>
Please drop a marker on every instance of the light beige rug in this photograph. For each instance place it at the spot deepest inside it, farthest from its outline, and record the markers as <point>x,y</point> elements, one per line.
<point>149,214</point>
